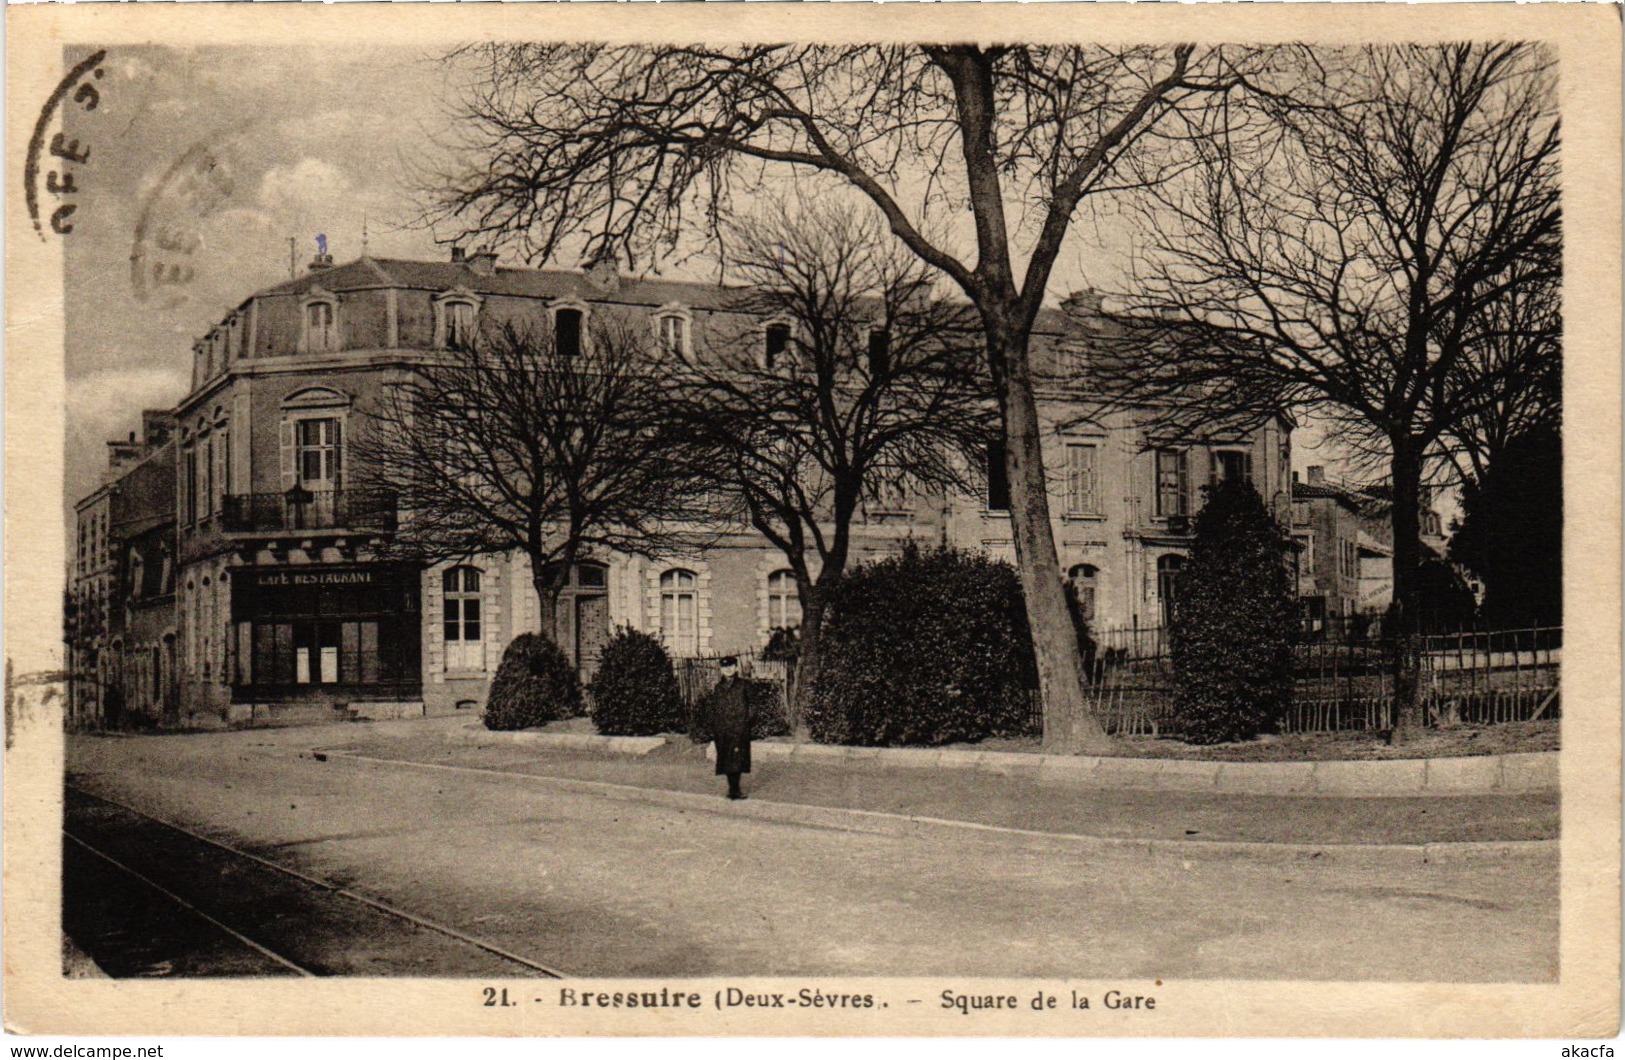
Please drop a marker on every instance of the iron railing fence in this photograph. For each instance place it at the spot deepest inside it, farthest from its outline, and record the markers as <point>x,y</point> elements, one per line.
<point>347,509</point>
<point>1471,676</point>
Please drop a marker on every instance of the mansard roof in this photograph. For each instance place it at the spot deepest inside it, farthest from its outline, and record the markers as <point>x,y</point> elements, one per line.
<point>547,284</point>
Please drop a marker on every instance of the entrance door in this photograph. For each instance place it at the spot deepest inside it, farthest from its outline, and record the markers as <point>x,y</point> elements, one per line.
<point>592,633</point>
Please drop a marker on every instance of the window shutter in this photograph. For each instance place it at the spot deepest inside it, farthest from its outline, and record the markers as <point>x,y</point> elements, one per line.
<point>290,473</point>
<point>221,450</point>
<point>1247,466</point>
<point>1183,461</point>
<point>338,453</point>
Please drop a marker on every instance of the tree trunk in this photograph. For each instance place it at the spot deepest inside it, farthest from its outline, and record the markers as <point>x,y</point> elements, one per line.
<point>547,587</point>
<point>1404,616</point>
<point>807,659</point>
<point>1069,727</point>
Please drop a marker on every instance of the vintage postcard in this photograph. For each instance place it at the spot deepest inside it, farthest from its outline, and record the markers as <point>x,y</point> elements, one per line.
<point>861,520</point>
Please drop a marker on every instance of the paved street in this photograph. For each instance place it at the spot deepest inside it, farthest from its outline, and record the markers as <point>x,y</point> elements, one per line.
<point>598,886</point>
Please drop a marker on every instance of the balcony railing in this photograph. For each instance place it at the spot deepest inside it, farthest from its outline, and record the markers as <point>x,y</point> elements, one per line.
<point>301,509</point>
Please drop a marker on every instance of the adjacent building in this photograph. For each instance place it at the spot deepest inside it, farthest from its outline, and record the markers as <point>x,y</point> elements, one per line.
<point>284,604</point>
<point>121,618</point>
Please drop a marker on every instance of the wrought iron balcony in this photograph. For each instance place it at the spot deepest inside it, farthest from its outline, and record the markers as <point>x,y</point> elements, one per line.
<point>302,509</point>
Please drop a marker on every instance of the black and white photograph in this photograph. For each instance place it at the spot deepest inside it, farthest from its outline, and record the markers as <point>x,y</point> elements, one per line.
<point>1035,523</point>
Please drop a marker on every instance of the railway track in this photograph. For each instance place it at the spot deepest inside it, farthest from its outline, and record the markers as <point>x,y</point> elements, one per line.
<point>148,897</point>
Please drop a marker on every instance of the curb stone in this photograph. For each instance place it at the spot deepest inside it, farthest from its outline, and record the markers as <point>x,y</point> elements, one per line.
<point>563,741</point>
<point>1525,773</point>
<point>903,825</point>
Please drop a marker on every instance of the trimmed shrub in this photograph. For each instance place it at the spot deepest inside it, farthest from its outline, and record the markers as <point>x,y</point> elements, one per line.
<point>766,712</point>
<point>1234,622</point>
<point>534,685</point>
<point>923,648</point>
<point>635,692</point>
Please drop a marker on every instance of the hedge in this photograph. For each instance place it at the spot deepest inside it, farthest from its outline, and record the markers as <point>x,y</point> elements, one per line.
<point>635,692</point>
<point>924,647</point>
<point>535,684</point>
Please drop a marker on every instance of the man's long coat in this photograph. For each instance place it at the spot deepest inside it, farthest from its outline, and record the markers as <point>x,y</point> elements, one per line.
<point>730,726</point>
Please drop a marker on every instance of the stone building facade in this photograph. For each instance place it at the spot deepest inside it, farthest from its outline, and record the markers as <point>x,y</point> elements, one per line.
<point>121,631</point>
<point>287,607</point>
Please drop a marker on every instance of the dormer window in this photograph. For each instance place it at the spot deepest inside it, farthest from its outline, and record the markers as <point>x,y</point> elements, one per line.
<point>879,352</point>
<point>568,325</point>
<point>456,319</point>
<point>321,325</point>
<point>775,345</point>
<point>672,331</point>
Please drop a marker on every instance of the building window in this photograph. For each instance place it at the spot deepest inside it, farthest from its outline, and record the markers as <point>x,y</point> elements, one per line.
<point>1173,484</point>
<point>1232,465</point>
<point>775,346</point>
<point>313,653</point>
<point>189,486</point>
<point>879,353</point>
<point>465,641</point>
<point>320,332</point>
<point>317,458</point>
<point>1081,494</point>
<point>783,601</point>
<point>998,478</point>
<point>567,332</point>
<point>459,324</point>
<point>679,611</point>
<point>222,466</point>
<point>1084,578</point>
<point>1168,568</point>
<point>674,336</point>
<point>205,474</point>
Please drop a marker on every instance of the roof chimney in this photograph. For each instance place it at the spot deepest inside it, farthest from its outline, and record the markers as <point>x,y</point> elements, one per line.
<point>1317,475</point>
<point>320,262</point>
<point>483,262</point>
<point>457,255</point>
<point>1086,302</point>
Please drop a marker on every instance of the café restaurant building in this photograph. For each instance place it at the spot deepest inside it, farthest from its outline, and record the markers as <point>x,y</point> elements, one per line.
<point>292,605</point>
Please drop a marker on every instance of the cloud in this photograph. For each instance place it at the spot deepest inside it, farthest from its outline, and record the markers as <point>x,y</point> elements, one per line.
<point>99,402</point>
<point>304,189</point>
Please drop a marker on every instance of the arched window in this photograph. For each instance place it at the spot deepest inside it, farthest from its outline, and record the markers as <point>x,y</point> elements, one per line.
<point>1168,568</point>
<point>459,324</point>
<point>456,317</point>
<point>679,611</point>
<point>776,345</point>
<point>465,640</point>
<point>1084,579</point>
<point>672,331</point>
<point>783,601</point>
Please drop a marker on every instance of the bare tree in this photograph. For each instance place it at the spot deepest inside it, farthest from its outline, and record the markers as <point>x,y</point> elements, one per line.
<point>1350,250</point>
<point>866,391</point>
<point>512,444</point>
<point>627,147</point>
<point>1518,340</point>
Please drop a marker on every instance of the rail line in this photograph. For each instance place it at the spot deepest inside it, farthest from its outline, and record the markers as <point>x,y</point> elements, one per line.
<point>304,877</point>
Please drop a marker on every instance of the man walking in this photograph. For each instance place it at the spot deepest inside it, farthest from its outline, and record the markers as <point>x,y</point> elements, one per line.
<point>730,726</point>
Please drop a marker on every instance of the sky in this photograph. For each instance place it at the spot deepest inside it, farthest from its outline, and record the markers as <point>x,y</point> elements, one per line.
<point>296,142</point>
<point>303,142</point>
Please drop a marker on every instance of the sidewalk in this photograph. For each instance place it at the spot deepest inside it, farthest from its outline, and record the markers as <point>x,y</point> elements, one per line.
<point>1029,800</point>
